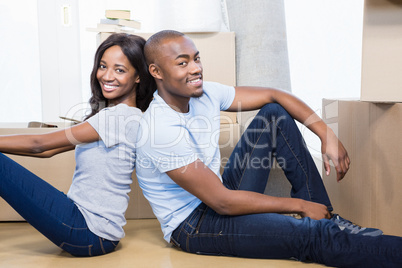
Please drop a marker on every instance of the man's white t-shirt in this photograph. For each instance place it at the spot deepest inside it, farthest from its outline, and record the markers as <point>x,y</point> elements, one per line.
<point>168,140</point>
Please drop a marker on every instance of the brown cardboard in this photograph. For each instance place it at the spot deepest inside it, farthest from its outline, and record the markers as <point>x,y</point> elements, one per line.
<point>217,51</point>
<point>229,136</point>
<point>138,206</point>
<point>382,51</point>
<point>371,192</point>
<point>59,170</point>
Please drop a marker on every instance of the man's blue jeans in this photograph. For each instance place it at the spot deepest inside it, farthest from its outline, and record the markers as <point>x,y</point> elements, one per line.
<point>273,133</point>
<point>50,211</point>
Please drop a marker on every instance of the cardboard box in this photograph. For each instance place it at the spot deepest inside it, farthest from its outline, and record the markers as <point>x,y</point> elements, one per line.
<point>217,51</point>
<point>382,51</point>
<point>59,170</point>
<point>371,192</point>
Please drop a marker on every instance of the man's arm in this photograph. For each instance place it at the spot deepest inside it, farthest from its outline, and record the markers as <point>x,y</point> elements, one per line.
<point>200,181</point>
<point>252,98</point>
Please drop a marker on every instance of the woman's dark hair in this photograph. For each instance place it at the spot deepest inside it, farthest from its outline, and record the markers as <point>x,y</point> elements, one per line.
<point>132,47</point>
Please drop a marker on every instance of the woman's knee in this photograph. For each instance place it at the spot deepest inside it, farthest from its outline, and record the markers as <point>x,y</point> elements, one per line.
<point>100,247</point>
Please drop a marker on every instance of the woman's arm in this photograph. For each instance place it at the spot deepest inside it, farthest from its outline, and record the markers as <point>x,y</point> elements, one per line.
<point>200,181</point>
<point>48,153</point>
<point>48,144</point>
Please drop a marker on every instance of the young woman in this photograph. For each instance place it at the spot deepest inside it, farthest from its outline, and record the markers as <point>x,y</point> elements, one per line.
<point>89,220</point>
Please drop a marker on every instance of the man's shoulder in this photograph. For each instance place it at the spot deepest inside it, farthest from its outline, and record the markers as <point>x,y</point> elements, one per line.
<point>216,89</point>
<point>212,85</point>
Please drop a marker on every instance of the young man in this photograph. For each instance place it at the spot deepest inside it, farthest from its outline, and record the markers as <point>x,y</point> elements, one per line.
<point>202,211</point>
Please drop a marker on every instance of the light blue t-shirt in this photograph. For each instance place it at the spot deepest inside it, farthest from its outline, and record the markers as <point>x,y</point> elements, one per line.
<point>102,176</point>
<point>168,140</point>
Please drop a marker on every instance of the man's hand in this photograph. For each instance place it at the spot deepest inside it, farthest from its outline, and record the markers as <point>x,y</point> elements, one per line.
<point>315,211</point>
<point>332,149</point>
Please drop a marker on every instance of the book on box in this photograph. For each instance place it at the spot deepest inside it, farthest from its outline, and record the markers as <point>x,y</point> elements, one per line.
<point>118,14</point>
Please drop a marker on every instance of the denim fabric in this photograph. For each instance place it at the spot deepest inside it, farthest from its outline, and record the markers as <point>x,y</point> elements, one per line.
<point>273,133</point>
<point>49,210</point>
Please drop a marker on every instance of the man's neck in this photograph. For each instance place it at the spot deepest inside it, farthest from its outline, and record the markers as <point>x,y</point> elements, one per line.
<point>179,104</point>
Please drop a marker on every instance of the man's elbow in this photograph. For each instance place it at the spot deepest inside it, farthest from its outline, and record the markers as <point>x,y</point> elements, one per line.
<point>225,208</point>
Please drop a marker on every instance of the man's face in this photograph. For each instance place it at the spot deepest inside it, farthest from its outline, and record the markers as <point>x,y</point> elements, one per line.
<point>180,70</point>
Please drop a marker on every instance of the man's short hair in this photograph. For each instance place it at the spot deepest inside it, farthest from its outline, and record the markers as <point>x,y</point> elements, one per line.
<point>153,43</point>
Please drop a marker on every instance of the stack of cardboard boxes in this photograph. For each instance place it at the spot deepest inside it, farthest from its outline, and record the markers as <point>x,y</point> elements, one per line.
<point>371,128</point>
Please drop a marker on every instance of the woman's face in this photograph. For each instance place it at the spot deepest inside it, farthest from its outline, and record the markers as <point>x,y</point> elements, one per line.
<point>117,77</point>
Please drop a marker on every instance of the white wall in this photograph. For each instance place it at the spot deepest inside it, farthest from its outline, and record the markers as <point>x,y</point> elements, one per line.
<point>324,44</point>
<point>20,92</point>
<point>60,63</point>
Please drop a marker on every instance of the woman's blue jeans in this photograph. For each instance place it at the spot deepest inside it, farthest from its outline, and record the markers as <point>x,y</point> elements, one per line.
<point>273,133</point>
<point>50,211</point>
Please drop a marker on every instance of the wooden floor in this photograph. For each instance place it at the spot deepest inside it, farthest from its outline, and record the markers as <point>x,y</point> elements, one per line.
<point>22,246</point>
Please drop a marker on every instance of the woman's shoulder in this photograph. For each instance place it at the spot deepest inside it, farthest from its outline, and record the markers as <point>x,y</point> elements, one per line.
<point>118,115</point>
<point>123,108</point>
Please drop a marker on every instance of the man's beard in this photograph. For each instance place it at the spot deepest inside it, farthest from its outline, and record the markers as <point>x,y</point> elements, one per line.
<point>197,94</point>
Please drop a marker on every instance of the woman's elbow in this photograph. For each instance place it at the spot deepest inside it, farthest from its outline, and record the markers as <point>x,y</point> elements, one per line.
<point>45,155</point>
<point>36,147</point>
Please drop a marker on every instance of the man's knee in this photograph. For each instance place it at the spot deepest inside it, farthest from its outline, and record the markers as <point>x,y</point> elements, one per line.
<point>273,108</point>
<point>274,112</point>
